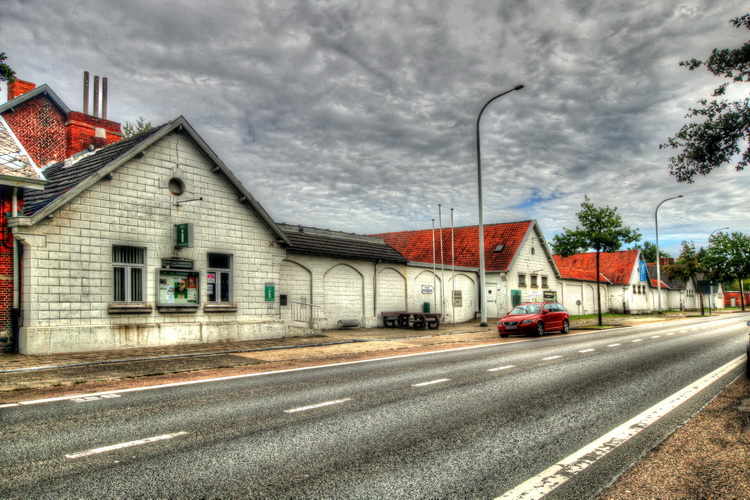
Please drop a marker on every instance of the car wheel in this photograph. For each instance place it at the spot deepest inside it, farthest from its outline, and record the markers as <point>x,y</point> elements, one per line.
<point>566,326</point>
<point>504,335</point>
<point>539,329</point>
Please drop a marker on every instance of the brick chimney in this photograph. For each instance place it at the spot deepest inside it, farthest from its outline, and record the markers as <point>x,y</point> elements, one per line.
<point>83,130</point>
<point>19,87</point>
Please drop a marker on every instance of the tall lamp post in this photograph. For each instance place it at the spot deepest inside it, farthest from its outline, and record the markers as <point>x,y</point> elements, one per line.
<point>482,298</point>
<point>658,257</point>
<point>711,287</point>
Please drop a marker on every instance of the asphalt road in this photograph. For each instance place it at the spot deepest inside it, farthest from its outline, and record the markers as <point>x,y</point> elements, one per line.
<point>471,422</point>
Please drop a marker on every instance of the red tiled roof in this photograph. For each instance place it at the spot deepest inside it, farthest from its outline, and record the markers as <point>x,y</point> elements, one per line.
<point>417,245</point>
<point>655,284</point>
<point>615,267</point>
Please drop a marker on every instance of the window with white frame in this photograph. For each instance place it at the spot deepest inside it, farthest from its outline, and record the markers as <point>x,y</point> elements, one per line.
<point>219,278</point>
<point>129,273</point>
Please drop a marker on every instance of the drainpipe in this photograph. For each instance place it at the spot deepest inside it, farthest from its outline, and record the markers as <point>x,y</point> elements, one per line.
<point>16,312</point>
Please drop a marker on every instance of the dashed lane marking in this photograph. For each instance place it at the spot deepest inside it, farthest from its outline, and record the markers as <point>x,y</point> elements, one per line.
<point>507,367</point>
<point>431,382</point>
<point>119,446</point>
<point>319,405</point>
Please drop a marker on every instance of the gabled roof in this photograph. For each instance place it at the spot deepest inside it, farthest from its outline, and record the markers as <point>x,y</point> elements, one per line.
<point>502,243</point>
<point>337,244</point>
<point>614,267</point>
<point>67,182</point>
<point>27,96</point>
<point>16,166</point>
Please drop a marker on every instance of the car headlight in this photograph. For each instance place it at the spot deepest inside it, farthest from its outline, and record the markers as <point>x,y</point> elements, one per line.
<point>527,321</point>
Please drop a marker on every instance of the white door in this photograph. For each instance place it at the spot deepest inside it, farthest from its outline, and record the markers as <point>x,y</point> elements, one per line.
<point>491,300</point>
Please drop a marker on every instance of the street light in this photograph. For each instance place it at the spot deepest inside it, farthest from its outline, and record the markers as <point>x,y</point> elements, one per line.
<point>658,258</point>
<point>483,301</point>
<point>712,233</point>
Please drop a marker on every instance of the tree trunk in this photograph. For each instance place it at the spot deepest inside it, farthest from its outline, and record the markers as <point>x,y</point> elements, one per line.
<point>598,293</point>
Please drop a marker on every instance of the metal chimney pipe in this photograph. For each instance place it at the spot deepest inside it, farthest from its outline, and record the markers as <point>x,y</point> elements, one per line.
<point>85,92</point>
<point>96,96</point>
<point>104,97</point>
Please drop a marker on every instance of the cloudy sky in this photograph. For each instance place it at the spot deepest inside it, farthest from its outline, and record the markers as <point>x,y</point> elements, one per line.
<point>361,116</point>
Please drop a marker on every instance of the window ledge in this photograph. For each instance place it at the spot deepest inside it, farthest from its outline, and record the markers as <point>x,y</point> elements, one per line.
<point>228,307</point>
<point>178,309</point>
<point>124,308</point>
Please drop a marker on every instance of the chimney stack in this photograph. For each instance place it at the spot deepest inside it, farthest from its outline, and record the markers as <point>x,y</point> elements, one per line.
<point>19,87</point>
<point>96,95</point>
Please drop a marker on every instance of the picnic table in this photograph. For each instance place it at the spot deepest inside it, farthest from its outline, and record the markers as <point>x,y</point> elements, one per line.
<point>416,320</point>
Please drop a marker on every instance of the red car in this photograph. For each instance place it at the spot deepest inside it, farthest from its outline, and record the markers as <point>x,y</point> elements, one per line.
<point>535,317</point>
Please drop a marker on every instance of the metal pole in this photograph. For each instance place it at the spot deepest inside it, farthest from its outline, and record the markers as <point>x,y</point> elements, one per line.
<point>442,261</point>
<point>658,257</point>
<point>482,301</point>
<point>434,270</point>
<point>453,271</point>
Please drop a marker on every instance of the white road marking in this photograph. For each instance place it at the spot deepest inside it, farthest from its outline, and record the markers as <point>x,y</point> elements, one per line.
<point>637,340</point>
<point>507,367</point>
<point>438,381</point>
<point>613,345</point>
<point>587,350</point>
<point>670,333</point>
<point>96,398</point>
<point>556,475</point>
<point>125,445</point>
<point>656,336</point>
<point>551,358</point>
<point>319,405</point>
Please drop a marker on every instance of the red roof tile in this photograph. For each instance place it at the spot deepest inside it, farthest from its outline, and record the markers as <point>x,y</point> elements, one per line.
<point>417,245</point>
<point>615,267</point>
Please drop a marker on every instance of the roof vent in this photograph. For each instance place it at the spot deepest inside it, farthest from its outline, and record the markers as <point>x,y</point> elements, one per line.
<point>499,248</point>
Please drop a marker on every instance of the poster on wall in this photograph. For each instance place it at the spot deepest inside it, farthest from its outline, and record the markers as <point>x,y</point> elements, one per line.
<point>178,288</point>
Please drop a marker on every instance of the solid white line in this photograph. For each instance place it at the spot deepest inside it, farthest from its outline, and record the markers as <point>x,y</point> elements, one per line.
<point>550,358</point>
<point>438,381</point>
<point>556,475</point>
<point>124,445</point>
<point>508,367</point>
<point>319,405</point>
<point>587,350</point>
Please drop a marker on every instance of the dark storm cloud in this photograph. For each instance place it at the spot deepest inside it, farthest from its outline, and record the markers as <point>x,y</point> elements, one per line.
<point>360,116</point>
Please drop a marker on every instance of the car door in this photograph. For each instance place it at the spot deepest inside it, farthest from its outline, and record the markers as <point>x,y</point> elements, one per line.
<point>550,317</point>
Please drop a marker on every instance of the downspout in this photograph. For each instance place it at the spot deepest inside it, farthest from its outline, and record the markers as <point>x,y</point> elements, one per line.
<point>16,312</point>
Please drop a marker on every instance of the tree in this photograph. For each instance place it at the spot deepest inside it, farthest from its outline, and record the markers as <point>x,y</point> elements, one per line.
<point>601,230</point>
<point>728,258</point>
<point>130,129</point>
<point>648,251</point>
<point>6,74</point>
<point>688,267</point>
<point>722,127</point>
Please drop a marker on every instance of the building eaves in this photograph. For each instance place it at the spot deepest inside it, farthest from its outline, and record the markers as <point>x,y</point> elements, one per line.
<point>40,90</point>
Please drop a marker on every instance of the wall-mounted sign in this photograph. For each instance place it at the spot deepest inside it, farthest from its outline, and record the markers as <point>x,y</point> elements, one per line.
<point>270,292</point>
<point>427,289</point>
<point>185,235</point>
<point>178,288</point>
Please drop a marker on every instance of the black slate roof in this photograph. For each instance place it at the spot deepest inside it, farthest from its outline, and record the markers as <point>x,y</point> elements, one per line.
<point>62,178</point>
<point>341,245</point>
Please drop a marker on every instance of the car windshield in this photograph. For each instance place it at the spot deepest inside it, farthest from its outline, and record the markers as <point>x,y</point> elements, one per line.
<point>525,309</point>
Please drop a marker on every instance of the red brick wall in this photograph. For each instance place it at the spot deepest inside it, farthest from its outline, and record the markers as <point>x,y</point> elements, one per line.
<point>40,126</point>
<point>81,128</point>
<point>18,87</point>
<point>6,265</point>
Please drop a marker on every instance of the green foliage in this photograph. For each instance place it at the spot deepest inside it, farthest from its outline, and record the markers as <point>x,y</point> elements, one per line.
<point>728,257</point>
<point>688,265</point>
<point>130,129</point>
<point>601,230</point>
<point>721,127</point>
<point>6,73</point>
<point>648,251</point>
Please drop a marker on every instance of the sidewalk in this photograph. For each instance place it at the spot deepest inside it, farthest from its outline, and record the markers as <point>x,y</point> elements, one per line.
<point>20,375</point>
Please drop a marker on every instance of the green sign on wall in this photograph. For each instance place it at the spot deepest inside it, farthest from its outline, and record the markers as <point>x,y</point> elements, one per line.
<point>270,292</point>
<point>184,235</point>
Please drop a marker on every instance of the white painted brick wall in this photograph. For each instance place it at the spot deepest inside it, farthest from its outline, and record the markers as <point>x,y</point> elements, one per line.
<point>67,259</point>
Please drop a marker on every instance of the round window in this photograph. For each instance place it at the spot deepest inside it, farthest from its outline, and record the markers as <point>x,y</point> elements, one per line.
<point>176,186</point>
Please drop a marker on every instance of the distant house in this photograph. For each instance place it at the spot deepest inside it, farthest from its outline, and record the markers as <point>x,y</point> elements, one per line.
<point>623,280</point>
<point>680,295</point>
<point>518,265</point>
